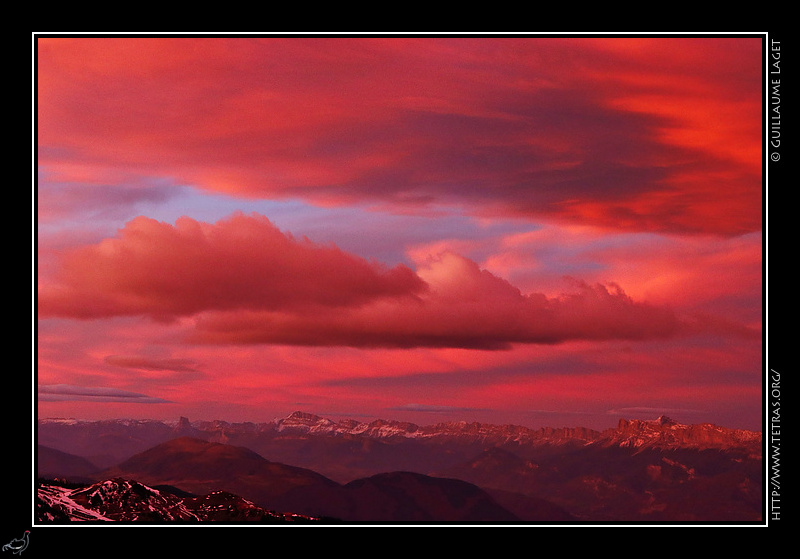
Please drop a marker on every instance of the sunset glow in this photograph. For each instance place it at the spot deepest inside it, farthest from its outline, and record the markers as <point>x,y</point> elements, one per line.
<point>546,231</point>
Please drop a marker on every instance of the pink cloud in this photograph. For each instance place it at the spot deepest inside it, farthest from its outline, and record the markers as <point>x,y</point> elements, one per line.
<point>172,365</point>
<point>244,281</point>
<point>244,262</point>
<point>717,279</point>
<point>464,307</point>
<point>609,132</point>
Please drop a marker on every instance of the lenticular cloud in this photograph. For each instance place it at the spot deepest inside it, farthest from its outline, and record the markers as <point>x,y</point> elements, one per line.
<point>465,307</point>
<point>241,263</point>
<point>67,392</point>
<point>242,281</point>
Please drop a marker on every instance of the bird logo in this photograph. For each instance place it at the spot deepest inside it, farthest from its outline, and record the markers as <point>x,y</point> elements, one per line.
<point>18,545</point>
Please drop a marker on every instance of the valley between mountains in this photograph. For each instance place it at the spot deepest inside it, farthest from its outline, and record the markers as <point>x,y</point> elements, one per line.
<point>307,469</point>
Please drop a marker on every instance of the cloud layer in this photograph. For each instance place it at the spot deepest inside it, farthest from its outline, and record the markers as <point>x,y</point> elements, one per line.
<point>616,132</point>
<point>477,172</point>
<point>66,393</point>
<point>466,308</point>
<point>242,263</point>
<point>246,282</point>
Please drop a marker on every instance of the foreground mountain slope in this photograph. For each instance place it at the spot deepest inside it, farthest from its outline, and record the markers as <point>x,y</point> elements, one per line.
<point>122,500</point>
<point>201,467</point>
<point>419,498</point>
<point>55,463</point>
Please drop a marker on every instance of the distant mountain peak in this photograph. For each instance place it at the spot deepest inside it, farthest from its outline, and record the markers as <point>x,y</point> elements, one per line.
<point>302,416</point>
<point>183,424</point>
<point>303,421</point>
<point>665,432</point>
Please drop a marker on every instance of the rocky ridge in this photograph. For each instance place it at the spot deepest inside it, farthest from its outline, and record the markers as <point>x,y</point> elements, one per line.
<point>661,432</point>
<point>667,433</point>
<point>125,500</point>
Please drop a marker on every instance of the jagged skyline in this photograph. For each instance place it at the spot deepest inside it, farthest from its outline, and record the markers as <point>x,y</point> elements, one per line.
<point>656,470</point>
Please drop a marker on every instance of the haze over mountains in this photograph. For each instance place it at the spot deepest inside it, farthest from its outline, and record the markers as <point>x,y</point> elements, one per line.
<point>389,471</point>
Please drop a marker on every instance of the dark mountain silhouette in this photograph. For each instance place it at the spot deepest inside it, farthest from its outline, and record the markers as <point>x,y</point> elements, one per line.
<point>203,467</point>
<point>617,484</point>
<point>106,442</point>
<point>54,463</point>
<point>499,469</point>
<point>415,497</point>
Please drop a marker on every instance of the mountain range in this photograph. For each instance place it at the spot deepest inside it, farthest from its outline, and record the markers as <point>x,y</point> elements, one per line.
<point>390,471</point>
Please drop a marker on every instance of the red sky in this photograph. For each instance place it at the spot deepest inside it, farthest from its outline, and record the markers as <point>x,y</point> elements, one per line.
<point>535,230</point>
